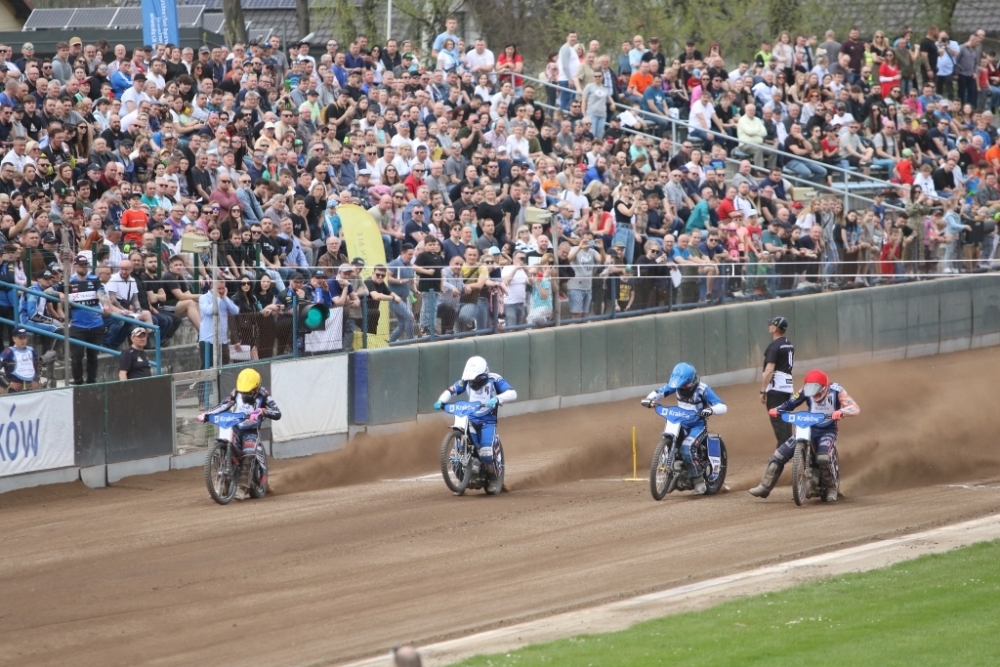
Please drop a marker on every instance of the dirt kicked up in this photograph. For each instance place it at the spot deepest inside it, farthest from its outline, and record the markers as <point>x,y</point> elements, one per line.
<point>359,550</point>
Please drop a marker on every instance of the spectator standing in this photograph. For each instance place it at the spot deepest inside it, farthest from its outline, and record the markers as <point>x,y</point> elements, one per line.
<point>585,258</point>
<point>85,289</point>
<point>206,334</point>
<point>515,279</point>
<point>19,364</point>
<point>133,362</point>
<point>378,291</point>
<point>428,265</point>
<point>776,384</point>
<point>947,50</point>
<point>967,68</point>
<point>400,280</point>
<point>568,62</point>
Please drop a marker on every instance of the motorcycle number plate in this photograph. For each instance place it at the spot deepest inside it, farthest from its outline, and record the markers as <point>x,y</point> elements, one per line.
<point>462,423</point>
<point>716,462</point>
<point>803,433</point>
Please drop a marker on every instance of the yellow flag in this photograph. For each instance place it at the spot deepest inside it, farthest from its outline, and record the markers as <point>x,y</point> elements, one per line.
<point>364,240</point>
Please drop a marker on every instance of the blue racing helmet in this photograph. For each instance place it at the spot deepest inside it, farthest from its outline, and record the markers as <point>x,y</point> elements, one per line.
<point>683,376</point>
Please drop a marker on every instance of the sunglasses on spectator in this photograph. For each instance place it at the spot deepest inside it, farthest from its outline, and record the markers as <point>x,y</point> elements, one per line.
<point>378,275</point>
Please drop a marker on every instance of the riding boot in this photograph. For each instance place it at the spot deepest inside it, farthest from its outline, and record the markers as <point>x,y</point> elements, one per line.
<point>829,483</point>
<point>767,482</point>
<point>699,485</point>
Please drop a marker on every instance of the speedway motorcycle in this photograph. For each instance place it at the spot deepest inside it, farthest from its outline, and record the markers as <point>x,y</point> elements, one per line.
<point>226,468</point>
<point>669,471</point>
<point>807,482</point>
<point>460,464</point>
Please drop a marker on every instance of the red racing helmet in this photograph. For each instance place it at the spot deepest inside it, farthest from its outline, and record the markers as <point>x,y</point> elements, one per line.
<point>816,384</point>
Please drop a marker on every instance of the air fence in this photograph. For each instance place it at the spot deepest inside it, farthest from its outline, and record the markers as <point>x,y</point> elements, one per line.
<point>104,432</point>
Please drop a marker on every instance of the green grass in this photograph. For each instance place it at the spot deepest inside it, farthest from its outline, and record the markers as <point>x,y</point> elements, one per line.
<point>935,610</point>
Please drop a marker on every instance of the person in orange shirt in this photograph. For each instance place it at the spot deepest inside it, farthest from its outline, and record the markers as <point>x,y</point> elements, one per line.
<point>134,220</point>
<point>993,155</point>
<point>638,82</point>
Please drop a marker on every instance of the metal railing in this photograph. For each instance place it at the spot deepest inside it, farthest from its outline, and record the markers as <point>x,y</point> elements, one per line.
<point>677,122</point>
<point>66,338</point>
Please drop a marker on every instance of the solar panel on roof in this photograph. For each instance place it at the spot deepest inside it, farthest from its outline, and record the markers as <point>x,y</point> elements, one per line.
<point>189,16</point>
<point>95,17</point>
<point>213,22</point>
<point>49,18</point>
<point>128,18</point>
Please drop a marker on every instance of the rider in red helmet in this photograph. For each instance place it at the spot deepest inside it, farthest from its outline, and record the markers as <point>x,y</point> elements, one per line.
<point>825,398</point>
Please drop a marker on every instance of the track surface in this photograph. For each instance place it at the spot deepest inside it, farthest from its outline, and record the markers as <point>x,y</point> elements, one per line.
<point>151,572</point>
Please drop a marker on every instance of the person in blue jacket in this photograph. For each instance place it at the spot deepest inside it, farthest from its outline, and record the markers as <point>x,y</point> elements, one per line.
<point>492,391</point>
<point>692,394</point>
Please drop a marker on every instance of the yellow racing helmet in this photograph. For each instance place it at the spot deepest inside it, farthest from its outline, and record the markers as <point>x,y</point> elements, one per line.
<point>248,381</point>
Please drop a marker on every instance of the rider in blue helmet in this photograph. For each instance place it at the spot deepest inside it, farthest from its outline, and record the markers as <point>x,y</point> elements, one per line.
<point>692,394</point>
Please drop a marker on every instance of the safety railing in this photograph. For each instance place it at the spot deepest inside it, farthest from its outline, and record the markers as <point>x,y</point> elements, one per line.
<point>675,123</point>
<point>67,340</point>
<point>844,193</point>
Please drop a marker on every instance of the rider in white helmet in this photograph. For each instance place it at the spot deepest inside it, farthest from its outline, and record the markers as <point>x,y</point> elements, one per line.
<point>492,391</point>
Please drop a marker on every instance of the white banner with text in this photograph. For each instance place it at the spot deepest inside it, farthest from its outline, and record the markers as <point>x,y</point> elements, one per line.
<point>312,395</point>
<point>36,431</point>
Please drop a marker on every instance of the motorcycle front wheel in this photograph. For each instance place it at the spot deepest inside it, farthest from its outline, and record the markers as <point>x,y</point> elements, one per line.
<point>221,476</point>
<point>661,472</point>
<point>800,472</point>
<point>455,464</point>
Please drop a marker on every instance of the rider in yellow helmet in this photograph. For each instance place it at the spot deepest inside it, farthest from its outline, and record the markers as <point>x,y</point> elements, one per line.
<point>255,402</point>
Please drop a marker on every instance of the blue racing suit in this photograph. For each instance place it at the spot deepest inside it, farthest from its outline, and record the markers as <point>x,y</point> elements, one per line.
<point>484,422</point>
<point>824,434</point>
<point>698,398</point>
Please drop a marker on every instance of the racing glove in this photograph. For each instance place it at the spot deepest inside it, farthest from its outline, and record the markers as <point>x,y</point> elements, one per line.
<point>439,405</point>
<point>773,412</point>
<point>649,400</point>
<point>707,412</point>
<point>201,417</point>
<point>492,403</point>
<point>646,403</point>
<point>837,414</point>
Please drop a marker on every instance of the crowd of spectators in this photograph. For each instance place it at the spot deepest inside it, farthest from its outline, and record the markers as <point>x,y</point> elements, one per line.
<point>112,154</point>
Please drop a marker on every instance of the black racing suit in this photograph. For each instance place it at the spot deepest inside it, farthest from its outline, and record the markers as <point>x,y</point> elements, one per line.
<point>247,432</point>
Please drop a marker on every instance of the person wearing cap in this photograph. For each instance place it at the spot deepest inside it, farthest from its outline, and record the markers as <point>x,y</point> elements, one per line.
<point>776,382</point>
<point>85,289</point>
<point>19,365</point>
<point>340,288</point>
<point>133,362</point>
<point>39,312</point>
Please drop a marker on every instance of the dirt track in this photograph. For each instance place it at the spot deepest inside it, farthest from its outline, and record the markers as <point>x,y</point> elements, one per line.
<point>152,572</point>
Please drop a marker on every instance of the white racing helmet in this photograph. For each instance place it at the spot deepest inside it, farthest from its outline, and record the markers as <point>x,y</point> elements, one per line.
<point>476,372</point>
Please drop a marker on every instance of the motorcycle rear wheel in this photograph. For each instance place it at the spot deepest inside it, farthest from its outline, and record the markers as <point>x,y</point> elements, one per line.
<point>716,485</point>
<point>457,476</point>
<point>661,472</point>
<point>257,490</point>
<point>221,476</point>
<point>800,472</point>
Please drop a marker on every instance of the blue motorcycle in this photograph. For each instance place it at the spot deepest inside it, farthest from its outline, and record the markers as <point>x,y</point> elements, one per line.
<point>807,482</point>
<point>225,463</point>
<point>669,471</point>
<point>460,463</point>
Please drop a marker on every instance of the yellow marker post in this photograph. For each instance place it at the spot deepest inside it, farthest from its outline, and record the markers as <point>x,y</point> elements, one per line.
<point>633,478</point>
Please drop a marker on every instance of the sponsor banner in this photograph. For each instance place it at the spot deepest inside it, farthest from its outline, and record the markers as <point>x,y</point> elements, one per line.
<point>312,395</point>
<point>159,22</point>
<point>36,432</point>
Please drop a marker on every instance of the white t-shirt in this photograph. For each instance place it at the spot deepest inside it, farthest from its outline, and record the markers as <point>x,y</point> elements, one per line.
<point>518,148</point>
<point>703,107</point>
<point>135,98</point>
<point>578,201</point>
<point>568,53</point>
<point>399,140</point>
<point>122,290</point>
<point>484,59</point>
<point>516,286</point>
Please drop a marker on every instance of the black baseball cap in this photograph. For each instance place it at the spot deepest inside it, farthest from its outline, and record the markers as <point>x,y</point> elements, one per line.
<point>780,323</point>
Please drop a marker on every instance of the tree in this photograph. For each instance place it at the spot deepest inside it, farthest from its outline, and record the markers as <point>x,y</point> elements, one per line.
<point>235,27</point>
<point>302,14</point>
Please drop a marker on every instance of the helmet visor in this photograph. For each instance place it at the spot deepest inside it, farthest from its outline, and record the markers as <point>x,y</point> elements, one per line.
<point>810,389</point>
<point>479,381</point>
<point>248,396</point>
